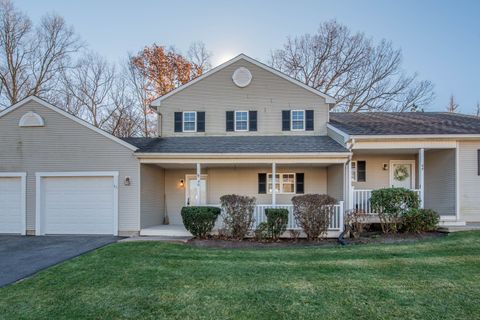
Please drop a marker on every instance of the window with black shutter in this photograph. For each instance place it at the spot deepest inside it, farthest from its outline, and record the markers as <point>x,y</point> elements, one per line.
<point>361,171</point>
<point>309,122</point>
<point>262,183</point>
<point>230,123</point>
<point>201,121</point>
<point>286,120</point>
<point>178,121</point>
<point>300,183</point>
<point>252,120</point>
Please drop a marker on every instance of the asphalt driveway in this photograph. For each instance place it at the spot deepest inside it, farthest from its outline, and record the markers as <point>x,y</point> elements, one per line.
<point>22,256</point>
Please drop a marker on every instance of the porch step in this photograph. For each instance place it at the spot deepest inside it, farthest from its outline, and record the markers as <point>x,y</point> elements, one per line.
<point>456,228</point>
<point>166,230</point>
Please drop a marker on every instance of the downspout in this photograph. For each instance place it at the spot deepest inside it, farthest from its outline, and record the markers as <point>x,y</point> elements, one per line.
<point>346,227</point>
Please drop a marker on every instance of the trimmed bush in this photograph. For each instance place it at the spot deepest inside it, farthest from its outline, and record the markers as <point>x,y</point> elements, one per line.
<point>420,220</point>
<point>199,220</point>
<point>355,221</point>
<point>277,220</point>
<point>237,214</point>
<point>391,204</point>
<point>312,213</point>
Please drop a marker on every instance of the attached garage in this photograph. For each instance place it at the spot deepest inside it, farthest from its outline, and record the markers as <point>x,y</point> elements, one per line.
<point>77,203</point>
<point>12,203</point>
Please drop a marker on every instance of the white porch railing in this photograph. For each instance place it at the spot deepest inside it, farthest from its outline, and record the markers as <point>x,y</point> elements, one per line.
<point>336,216</point>
<point>361,199</point>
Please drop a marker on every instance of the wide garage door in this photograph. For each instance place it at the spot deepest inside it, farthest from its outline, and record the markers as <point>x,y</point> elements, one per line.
<point>12,203</point>
<point>77,205</point>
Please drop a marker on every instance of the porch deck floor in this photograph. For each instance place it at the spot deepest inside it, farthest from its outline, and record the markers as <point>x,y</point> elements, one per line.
<point>166,230</point>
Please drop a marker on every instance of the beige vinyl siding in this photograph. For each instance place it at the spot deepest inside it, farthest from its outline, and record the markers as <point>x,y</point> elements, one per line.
<point>336,136</point>
<point>469,181</point>
<point>268,94</point>
<point>376,177</point>
<point>243,181</point>
<point>65,145</point>
<point>440,181</point>
<point>335,181</point>
<point>152,195</point>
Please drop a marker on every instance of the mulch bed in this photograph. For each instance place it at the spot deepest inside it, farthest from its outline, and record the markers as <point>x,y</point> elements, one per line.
<point>222,243</point>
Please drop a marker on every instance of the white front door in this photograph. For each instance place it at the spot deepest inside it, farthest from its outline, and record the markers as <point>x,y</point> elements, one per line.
<point>192,196</point>
<point>402,174</point>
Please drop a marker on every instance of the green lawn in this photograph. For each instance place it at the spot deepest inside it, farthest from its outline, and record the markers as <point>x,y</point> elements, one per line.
<point>433,279</point>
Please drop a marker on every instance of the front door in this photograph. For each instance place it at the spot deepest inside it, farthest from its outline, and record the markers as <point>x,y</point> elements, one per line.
<point>191,194</point>
<point>402,174</point>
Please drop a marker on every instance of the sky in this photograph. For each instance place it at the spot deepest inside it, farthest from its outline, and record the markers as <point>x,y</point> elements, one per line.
<point>440,40</point>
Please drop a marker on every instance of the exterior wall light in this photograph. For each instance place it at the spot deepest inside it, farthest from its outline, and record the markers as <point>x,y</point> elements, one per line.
<point>127,181</point>
<point>182,183</point>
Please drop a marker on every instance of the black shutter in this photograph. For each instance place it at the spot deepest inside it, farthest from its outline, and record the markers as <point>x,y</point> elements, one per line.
<point>300,183</point>
<point>178,122</point>
<point>252,120</point>
<point>309,120</point>
<point>286,120</point>
<point>262,183</point>
<point>478,161</point>
<point>201,121</point>
<point>230,120</point>
<point>361,171</point>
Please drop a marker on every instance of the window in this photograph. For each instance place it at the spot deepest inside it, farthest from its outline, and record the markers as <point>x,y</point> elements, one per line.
<point>189,121</point>
<point>284,183</point>
<point>354,171</point>
<point>359,171</point>
<point>298,120</point>
<point>241,120</point>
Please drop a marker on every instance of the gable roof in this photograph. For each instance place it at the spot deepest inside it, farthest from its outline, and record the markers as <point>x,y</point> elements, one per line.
<point>405,123</point>
<point>157,102</point>
<point>68,115</point>
<point>238,144</point>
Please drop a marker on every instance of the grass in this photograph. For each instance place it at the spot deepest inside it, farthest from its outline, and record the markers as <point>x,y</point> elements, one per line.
<point>432,279</point>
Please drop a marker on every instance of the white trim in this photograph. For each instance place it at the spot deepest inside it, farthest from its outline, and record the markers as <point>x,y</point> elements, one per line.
<point>40,175</point>
<point>235,121</point>
<point>291,120</point>
<point>23,195</point>
<point>421,176</point>
<point>187,190</point>
<point>183,121</point>
<point>328,99</point>
<point>412,174</point>
<point>415,136</point>
<point>68,115</point>
<point>457,182</point>
<point>345,135</point>
<point>356,170</point>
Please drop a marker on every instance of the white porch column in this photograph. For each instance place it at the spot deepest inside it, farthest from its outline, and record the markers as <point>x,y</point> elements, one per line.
<point>349,185</point>
<point>421,176</point>
<point>274,181</point>
<point>198,184</point>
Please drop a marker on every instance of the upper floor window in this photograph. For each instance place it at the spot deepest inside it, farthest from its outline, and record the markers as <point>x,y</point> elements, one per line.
<point>189,121</point>
<point>241,120</point>
<point>298,120</point>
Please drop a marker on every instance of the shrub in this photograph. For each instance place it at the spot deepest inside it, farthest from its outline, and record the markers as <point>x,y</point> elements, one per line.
<point>355,221</point>
<point>391,204</point>
<point>312,213</point>
<point>237,214</point>
<point>420,220</point>
<point>199,220</point>
<point>277,220</point>
<point>261,232</point>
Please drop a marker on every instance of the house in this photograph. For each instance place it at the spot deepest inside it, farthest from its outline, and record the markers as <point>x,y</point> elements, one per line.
<point>241,128</point>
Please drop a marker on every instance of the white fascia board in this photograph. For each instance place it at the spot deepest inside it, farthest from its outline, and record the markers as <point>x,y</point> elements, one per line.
<point>157,102</point>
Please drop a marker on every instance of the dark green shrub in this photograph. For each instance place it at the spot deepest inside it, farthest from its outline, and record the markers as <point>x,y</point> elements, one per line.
<point>237,214</point>
<point>277,220</point>
<point>199,220</point>
<point>391,204</point>
<point>312,213</point>
<point>420,220</point>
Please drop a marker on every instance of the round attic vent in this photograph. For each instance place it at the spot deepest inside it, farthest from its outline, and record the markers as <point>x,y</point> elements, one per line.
<point>242,77</point>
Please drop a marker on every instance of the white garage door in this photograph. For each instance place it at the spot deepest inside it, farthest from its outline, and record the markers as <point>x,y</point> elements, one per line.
<point>77,205</point>
<point>12,201</point>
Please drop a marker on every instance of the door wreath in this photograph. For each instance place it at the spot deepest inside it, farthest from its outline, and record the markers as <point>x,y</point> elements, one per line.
<point>401,173</point>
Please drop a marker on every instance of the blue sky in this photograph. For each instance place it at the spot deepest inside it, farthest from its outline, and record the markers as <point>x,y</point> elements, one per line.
<point>440,40</point>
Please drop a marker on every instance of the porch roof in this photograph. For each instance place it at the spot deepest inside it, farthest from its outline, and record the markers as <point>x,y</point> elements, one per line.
<point>238,144</point>
<point>405,123</point>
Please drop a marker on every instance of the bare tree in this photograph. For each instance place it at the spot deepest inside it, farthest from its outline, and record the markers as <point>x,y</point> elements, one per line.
<point>359,74</point>
<point>452,105</point>
<point>32,59</point>
<point>200,56</point>
<point>477,110</point>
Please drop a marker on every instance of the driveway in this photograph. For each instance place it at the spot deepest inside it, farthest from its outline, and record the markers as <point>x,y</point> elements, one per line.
<point>22,256</point>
